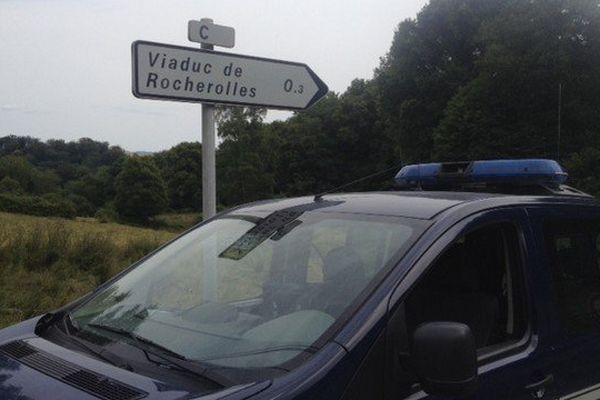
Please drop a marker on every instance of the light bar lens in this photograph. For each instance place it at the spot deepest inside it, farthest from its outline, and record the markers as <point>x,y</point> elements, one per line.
<point>531,171</point>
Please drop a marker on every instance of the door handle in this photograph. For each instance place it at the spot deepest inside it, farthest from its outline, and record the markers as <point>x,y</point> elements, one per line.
<point>538,388</point>
<point>548,379</point>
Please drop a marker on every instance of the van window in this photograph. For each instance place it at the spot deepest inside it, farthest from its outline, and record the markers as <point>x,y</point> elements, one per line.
<point>372,245</point>
<point>476,281</point>
<point>572,249</point>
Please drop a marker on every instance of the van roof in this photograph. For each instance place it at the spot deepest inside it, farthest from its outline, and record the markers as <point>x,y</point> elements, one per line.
<point>411,204</point>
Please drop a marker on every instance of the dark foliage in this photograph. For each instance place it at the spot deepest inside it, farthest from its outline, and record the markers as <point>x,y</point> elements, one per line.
<point>181,167</point>
<point>77,176</point>
<point>55,206</point>
<point>140,190</point>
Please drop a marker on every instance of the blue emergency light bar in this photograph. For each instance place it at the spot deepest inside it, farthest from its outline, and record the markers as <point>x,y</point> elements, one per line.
<point>500,172</point>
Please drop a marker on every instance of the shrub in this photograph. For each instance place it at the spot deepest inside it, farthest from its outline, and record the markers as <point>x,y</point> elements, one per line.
<point>10,185</point>
<point>52,205</point>
<point>177,222</point>
<point>106,214</point>
<point>584,170</point>
<point>65,207</point>
<point>31,179</point>
<point>83,207</point>
<point>141,191</point>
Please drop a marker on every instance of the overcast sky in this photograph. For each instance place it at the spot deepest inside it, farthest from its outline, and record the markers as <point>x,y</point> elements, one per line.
<point>65,65</point>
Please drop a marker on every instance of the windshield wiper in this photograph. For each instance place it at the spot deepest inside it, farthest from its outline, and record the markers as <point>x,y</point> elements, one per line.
<point>284,347</point>
<point>173,358</point>
<point>103,354</point>
<point>137,338</point>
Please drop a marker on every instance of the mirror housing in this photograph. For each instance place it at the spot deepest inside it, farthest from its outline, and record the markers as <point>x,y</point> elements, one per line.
<point>445,357</point>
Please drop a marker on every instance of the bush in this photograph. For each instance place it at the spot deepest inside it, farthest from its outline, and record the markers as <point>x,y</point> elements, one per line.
<point>50,205</point>
<point>106,214</point>
<point>66,208</point>
<point>10,185</point>
<point>584,170</point>
<point>83,207</point>
<point>177,222</point>
<point>141,191</point>
<point>31,179</point>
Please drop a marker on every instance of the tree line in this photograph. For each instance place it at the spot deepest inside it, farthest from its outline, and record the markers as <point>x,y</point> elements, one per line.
<point>465,79</point>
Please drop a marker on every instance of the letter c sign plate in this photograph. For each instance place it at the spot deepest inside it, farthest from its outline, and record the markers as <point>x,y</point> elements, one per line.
<point>204,31</point>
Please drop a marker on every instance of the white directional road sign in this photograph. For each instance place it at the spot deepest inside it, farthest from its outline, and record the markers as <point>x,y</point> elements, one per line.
<point>204,31</point>
<point>167,72</point>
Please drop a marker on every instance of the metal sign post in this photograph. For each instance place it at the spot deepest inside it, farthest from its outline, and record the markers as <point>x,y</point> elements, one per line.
<point>209,174</point>
<point>205,30</point>
<point>209,192</point>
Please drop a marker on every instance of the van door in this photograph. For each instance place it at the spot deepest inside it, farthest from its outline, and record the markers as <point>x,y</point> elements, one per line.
<point>479,273</point>
<point>568,239</point>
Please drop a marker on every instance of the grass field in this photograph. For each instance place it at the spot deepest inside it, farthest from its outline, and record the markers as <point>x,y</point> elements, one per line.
<point>48,262</point>
<point>177,222</point>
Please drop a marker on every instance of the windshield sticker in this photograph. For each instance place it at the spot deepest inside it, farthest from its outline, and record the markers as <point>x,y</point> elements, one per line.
<point>279,223</point>
<point>259,233</point>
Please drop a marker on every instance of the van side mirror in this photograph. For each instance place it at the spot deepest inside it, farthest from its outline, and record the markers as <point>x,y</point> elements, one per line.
<point>445,357</point>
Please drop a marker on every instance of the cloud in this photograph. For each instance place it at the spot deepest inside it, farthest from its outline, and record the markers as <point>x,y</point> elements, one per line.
<point>10,107</point>
<point>14,108</point>
<point>132,110</point>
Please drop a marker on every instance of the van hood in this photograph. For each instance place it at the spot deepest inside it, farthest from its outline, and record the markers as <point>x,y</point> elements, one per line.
<point>33,368</point>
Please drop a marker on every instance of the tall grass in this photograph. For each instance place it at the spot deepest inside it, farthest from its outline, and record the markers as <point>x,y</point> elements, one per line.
<point>45,263</point>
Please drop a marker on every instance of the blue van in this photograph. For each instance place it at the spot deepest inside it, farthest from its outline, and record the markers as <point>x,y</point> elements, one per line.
<point>477,280</point>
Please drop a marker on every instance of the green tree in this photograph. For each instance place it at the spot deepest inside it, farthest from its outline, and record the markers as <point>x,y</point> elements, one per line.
<point>338,140</point>
<point>140,190</point>
<point>244,159</point>
<point>509,109</point>
<point>31,179</point>
<point>584,170</point>
<point>97,187</point>
<point>430,59</point>
<point>181,168</point>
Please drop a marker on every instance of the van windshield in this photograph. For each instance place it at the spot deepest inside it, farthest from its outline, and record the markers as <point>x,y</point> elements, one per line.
<point>251,291</point>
